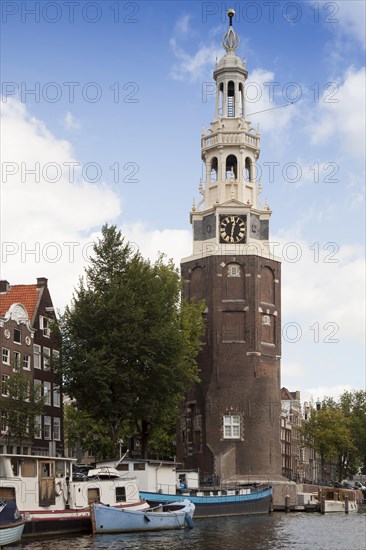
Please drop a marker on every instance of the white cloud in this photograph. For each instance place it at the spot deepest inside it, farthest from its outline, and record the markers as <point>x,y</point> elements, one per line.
<point>183,24</point>
<point>344,119</point>
<point>348,17</point>
<point>314,394</point>
<point>70,122</point>
<point>45,225</point>
<point>194,66</point>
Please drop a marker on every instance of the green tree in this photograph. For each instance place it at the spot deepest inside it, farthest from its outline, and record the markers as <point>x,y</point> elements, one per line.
<point>328,432</point>
<point>21,404</point>
<point>353,405</point>
<point>129,344</point>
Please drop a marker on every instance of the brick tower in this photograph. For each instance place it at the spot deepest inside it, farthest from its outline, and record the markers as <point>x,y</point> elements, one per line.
<point>230,422</point>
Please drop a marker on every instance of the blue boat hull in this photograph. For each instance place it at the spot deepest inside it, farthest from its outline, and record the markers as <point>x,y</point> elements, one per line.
<point>258,502</point>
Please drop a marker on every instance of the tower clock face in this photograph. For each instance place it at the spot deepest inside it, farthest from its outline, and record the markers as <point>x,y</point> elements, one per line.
<point>232,229</point>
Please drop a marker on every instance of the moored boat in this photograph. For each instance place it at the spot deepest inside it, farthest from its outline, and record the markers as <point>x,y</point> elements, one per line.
<point>52,501</point>
<point>242,501</point>
<point>176,515</point>
<point>11,523</point>
<point>337,500</point>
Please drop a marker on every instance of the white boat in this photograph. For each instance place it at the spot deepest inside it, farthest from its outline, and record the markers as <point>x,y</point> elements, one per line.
<point>337,500</point>
<point>176,515</point>
<point>11,523</point>
<point>52,501</point>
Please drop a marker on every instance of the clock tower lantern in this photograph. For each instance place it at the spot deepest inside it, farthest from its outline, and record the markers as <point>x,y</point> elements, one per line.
<point>230,422</point>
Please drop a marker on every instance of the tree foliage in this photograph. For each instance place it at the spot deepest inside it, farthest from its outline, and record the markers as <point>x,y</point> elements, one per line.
<point>129,344</point>
<point>337,430</point>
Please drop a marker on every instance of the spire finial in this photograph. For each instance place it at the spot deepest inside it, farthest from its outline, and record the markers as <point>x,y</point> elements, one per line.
<point>230,39</point>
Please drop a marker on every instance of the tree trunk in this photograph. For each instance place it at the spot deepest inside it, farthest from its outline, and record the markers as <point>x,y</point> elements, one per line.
<point>144,438</point>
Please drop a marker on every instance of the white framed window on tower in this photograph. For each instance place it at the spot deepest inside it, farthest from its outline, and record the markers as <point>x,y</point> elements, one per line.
<point>231,426</point>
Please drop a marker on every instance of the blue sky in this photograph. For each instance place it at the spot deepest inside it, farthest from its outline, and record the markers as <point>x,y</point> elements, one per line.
<point>139,91</point>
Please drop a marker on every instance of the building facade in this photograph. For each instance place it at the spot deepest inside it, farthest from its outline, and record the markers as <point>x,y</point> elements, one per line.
<point>28,347</point>
<point>230,424</point>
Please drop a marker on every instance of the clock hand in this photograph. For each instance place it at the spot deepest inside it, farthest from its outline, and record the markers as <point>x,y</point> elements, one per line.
<point>232,229</point>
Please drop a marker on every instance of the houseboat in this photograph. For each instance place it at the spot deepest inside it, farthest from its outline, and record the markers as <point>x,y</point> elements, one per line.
<point>52,501</point>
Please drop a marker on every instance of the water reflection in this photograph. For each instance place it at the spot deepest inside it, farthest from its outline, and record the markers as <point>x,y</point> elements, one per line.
<point>276,532</point>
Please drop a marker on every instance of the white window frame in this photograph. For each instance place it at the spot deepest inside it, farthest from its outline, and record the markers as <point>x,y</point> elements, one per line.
<point>57,428</point>
<point>17,359</point>
<point>47,392</point>
<point>44,325</point>
<point>231,426</point>
<point>233,270</point>
<point>38,427</point>
<point>37,354</point>
<point>4,379</point>
<point>46,359</point>
<point>26,361</point>
<point>20,332</point>
<point>56,396</point>
<point>6,356</point>
<point>3,420</point>
<point>47,424</point>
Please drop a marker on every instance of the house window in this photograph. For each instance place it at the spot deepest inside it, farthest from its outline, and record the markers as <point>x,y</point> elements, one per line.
<point>17,336</point>
<point>47,393</point>
<point>37,356</point>
<point>4,389</point>
<point>6,356</point>
<point>47,427</point>
<point>44,325</point>
<point>37,388</point>
<point>55,357</point>
<point>57,428</point>
<point>16,360</point>
<point>56,396</point>
<point>139,466</point>
<point>38,427</point>
<point>234,270</point>
<point>26,362</point>
<point>3,422</point>
<point>232,426</point>
<point>266,320</point>
<point>46,358</point>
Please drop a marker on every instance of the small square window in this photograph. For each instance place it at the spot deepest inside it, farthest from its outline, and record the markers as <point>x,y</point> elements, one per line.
<point>232,426</point>
<point>234,270</point>
<point>17,336</point>
<point>6,356</point>
<point>26,362</point>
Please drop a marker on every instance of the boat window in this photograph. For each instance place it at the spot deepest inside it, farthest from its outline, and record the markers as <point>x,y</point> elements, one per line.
<point>15,466</point>
<point>123,467</point>
<point>139,466</point>
<point>93,495</point>
<point>120,494</point>
<point>7,493</point>
<point>29,467</point>
<point>60,468</point>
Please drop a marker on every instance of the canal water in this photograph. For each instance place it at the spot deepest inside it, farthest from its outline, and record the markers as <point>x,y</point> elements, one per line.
<point>278,531</point>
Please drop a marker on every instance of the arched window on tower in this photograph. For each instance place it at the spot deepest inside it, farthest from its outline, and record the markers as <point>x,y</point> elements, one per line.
<point>241,99</point>
<point>231,99</point>
<point>213,171</point>
<point>248,170</point>
<point>231,166</point>
<point>221,98</point>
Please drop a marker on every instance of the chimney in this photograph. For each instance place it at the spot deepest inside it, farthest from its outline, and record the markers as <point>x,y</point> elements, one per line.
<point>42,282</point>
<point>4,287</point>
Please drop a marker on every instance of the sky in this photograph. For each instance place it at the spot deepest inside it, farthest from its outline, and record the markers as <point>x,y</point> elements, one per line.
<point>102,109</point>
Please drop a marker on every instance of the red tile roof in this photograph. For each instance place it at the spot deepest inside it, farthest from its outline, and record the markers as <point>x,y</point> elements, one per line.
<point>27,295</point>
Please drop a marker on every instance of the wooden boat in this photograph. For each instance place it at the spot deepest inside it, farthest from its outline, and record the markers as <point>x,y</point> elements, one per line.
<point>243,501</point>
<point>11,523</point>
<point>107,519</point>
<point>52,501</point>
